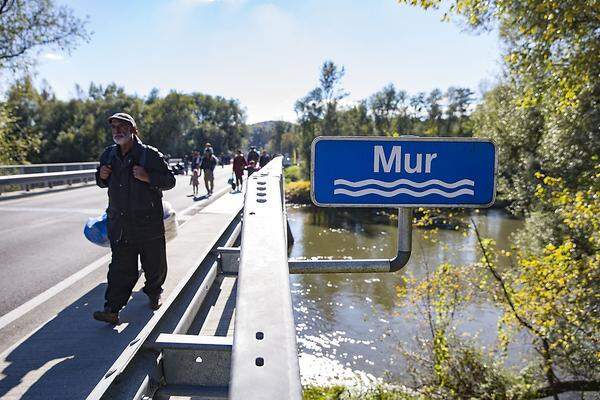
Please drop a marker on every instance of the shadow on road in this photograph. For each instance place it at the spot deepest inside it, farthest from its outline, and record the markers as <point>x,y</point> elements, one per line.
<point>68,355</point>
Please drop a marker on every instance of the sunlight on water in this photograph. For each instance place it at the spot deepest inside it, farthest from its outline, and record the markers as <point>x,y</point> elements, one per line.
<point>349,325</point>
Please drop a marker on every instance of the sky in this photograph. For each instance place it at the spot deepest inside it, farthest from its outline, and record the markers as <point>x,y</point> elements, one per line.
<point>267,54</point>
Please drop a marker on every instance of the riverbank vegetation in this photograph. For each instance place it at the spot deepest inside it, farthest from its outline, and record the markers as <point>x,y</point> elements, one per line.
<point>545,117</point>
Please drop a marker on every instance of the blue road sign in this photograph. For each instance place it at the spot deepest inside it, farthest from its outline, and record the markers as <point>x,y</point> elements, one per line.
<point>358,171</point>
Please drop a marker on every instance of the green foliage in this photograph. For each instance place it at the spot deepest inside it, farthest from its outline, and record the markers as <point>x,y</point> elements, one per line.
<point>27,26</point>
<point>45,129</point>
<point>292,174</point>
<point>342,393</point>
<point>21,134</point>
<point>298,192</point>
<point>318,110</point>
<point>517,131</point>
<point>277,136</point>
<point>322,393</point>
<point>552,292</point>
<point>546,114</point>
<point>8,154</point>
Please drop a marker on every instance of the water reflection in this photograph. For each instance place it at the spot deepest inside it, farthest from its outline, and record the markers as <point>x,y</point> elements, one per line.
<point>352,320</point>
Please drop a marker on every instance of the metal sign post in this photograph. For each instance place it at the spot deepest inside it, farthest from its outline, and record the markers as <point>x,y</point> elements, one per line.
<point>404,172</point>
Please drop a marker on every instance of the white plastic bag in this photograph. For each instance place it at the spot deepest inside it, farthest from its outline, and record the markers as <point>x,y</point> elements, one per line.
<point>170,220</point>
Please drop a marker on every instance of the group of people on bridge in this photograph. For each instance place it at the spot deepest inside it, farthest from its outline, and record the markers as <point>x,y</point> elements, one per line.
<point>208,161</point>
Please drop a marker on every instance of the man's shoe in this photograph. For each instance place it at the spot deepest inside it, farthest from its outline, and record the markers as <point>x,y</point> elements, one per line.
<point>155,302</point>
<point>107,316</point>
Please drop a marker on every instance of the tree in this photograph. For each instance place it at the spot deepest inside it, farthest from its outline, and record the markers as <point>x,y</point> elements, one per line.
<point>23,105</point>
<point>418,104</point>
<point>280,129</point>
<point>27,26</point>
<point>434,112</point>
<point>459,100</point>
<point>385,106</point>
<point>552,60</point>
<point>356,121</point>
<point>8,153</point>
<point>552,292</point>
<point>317,111</point>
<point>546,118</point>
<point>37,127</point>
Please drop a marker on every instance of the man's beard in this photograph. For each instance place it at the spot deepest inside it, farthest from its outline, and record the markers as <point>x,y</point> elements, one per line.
<point>122,139</point>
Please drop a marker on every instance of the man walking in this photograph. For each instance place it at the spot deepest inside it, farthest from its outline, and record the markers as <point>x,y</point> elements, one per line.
<point>264,159</point>
<point>252,155</point>
<point>136,175</point>
<point>207,165</point>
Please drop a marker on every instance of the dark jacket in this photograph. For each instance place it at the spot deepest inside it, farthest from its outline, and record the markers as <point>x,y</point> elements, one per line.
<point>209,163</point>
<point>252,156</point>
<point>264,159</point>
<point>135,211</point>
<point>239,163</point>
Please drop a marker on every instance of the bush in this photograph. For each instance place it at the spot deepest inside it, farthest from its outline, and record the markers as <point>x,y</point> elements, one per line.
<point>298,192</point>
<point>292,174</point>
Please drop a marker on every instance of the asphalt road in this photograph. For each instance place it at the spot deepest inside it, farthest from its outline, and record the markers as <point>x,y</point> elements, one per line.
<point>42,242</point>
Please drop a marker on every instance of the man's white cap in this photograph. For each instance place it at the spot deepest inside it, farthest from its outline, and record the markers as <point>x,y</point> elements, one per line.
<point>123,117</point>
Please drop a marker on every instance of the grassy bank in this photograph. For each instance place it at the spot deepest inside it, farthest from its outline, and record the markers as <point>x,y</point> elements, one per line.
<point>343,393</point>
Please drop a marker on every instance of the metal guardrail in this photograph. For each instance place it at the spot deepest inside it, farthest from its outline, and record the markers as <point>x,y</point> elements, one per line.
<point>26,181</point>
<point>22,169</point>
<point>41,168</point>
<point>265,358</point>
<point>27,176</point>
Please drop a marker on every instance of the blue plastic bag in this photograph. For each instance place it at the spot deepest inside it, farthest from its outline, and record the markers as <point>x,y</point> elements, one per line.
<point>95,231</point>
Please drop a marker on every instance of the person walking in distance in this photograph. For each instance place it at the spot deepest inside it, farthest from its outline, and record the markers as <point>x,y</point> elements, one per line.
<point>239,164</point>
<point>135,175</point>
<point>264,159</point>
<point>195,160</point>
<point>252,155</point>
<point>251,168</point>
<point>207,165</point>
<point>195,181</point>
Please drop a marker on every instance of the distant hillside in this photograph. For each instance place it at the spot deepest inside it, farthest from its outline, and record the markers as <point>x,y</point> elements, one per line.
<point>262,132</point>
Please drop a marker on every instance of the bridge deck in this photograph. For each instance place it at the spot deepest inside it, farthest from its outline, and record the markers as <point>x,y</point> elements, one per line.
<point>67,355</point>
<point>221,313</point>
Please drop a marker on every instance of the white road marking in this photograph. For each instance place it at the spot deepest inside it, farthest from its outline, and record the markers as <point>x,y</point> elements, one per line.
<point>89,211</point>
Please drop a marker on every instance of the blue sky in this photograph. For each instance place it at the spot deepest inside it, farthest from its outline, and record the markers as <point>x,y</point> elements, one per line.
<point>267,54</point>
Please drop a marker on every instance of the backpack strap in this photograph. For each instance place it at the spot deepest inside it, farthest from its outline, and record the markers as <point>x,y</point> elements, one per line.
<point>112,154</point>
<point>144,156</point>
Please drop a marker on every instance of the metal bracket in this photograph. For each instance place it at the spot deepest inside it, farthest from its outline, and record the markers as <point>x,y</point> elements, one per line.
<point>229,259</point>
<point>361,266</point>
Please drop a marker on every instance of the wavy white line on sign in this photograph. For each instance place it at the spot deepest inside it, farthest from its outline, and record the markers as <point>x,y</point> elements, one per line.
<point>448,185</point>
<point>393,193</point>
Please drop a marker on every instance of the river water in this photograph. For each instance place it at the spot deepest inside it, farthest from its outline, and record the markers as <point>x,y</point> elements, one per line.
<point>349,325</point>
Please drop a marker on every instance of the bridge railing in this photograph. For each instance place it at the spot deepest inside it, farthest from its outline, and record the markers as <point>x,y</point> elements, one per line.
<point>26,176</point>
